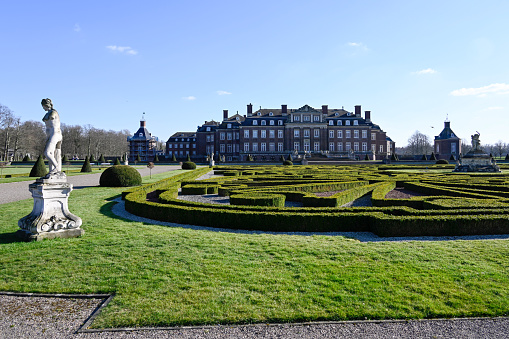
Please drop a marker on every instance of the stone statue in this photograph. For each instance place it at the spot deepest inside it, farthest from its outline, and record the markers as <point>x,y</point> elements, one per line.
<point>476,142</point>
<point>53,149</point>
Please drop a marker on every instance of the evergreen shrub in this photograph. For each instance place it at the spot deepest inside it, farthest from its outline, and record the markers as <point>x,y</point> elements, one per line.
<point>117,162</point>
<point>442,162</point>
<point>188,165</point>
<point>86,165</point>
<point>39,168</point>
<point>287,163</point>
<point>120,176</point>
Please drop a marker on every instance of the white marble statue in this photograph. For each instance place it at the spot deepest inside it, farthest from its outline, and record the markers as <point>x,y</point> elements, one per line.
<point>53,149</point>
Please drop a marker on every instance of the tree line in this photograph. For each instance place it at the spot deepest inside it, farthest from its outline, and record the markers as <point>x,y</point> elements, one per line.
<point>420,144</point>
<point>20,138</point>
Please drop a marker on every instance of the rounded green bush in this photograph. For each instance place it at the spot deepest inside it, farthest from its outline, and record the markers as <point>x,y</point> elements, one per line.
<point>287,163</point>
<point>39,168</point>
<point>120,176</point>
<point>442,162</point>
<point>263,199</point>
<point>188,165</point>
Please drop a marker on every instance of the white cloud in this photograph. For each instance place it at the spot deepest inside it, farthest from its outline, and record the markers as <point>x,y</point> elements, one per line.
<point>122,49</point>
<point>189,98</point>
<point>358,45</point>
<point>223,93</point>
<point>425,71</point>
<point>482,91</point>
<point>77,28</point>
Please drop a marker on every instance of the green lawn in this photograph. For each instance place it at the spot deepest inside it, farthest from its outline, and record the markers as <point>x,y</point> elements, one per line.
<point>173,276</point>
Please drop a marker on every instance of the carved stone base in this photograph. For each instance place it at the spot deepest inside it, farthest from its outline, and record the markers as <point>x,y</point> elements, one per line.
<point>50,217</point>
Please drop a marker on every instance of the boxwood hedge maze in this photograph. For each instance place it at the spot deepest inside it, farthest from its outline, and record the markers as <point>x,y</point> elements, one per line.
<point>396,201</point>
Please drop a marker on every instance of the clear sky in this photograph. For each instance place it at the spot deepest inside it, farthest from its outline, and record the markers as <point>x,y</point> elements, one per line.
<point>411,63</point>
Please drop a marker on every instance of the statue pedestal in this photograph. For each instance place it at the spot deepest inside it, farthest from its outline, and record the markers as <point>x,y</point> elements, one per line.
<point>50,217</point>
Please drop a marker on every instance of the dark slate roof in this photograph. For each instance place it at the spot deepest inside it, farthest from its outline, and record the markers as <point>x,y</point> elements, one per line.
<point>446,133</point>
<point>183,135</point>
<point>142,134</point>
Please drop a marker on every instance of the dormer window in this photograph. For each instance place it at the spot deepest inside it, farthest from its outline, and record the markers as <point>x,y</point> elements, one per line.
<point>347,122</point>
<point>229,126</point>
<point>208,129</point>
<point>331,122</point>
<point>141,134</point>
<point>271,122</point>
<point>271,114</point>
<point>336,114</point>
<point>355,122</point>
<point>259,114</point>
<point>264,122</point>
<point>340,122</point>
<point>280,122</point>
<point>255,122</point>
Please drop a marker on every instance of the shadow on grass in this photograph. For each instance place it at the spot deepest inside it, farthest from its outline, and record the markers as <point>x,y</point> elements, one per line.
<point>106,211</point>
<point>9,238</point>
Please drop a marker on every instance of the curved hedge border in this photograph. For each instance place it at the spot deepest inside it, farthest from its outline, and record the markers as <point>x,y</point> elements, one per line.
<point>449,210</point>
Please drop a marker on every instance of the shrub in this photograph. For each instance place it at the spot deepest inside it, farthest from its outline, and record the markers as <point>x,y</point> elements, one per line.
<point>26,158</point>
<point>65,159</point>
<point>101,159</point>
<point>188,158</point>
<point>289,157</point>
<point>366,157</point>
<point>156,158</point>
<point>282,158</point>
<point>270,200</point>
<point>287,163</point>
<point>452,158</point>
<point>86,165</point>
<point>91,159</point>
<point>39,168</point>
<point>117,162</point>
<point>432,157</point>
<point>120,176</point>
<point>173,158</point>
<point>424,157</point>
<point>442,162</point>
<point>138,158</point>
<point>188,165</point>
<point>507,156</point>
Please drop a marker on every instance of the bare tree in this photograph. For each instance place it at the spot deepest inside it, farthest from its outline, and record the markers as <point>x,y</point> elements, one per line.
<point>499,148</point>
<point>419,144</point>
<point>7,123</point>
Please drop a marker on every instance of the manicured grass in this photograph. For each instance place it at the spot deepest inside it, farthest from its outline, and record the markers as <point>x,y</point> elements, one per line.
<point>173,276</point>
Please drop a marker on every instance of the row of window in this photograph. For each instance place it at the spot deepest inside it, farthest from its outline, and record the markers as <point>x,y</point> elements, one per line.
<point>181,153</point>
<point>183,139</point>
<point>340,122</point>
<point>263,134</point>
<point>348,134</point>
<point>229,136</point>
<point>181,145</point>
<point>315,118</point>
<point>271,122</point>
<point>253,147</point>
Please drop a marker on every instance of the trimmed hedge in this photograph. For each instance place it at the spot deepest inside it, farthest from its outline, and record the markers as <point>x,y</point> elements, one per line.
<point>260,199</point>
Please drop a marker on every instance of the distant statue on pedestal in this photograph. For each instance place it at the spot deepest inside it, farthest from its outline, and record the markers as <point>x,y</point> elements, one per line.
<point>53,149</point>
<point>476,142</point>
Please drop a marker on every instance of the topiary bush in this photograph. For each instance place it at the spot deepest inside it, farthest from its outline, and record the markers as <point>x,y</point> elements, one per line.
<point>120,176</point>
<point>86,165</point>
<point>65,159</point>
<point>101,159</point>
<point>188,165</point>
<point>442,162</point>
<point>39,168</point>
<point>287,163</point>
<point>117,162</point>
<point>27,158</point>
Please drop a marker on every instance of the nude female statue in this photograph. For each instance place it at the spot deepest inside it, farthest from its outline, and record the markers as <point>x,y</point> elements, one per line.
<point>54,142</point>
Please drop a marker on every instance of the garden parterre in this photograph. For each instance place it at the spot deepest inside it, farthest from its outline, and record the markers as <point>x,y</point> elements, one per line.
<point>451,204</point>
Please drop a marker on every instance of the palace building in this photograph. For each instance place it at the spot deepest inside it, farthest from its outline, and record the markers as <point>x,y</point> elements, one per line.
<point>268,133</point>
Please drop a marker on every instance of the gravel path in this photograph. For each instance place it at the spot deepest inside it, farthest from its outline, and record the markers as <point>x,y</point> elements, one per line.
<point>15,191</point>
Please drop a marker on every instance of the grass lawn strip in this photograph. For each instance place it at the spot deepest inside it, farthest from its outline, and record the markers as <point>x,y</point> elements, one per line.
<point>172,276</point>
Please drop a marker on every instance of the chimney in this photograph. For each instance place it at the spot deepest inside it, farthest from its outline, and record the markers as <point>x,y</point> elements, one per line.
<point>358,110</point>
<point>142,123</point>
<point>284,109</point>
<point>367,115</point>
<point>249,110</point>
<point>447,124</point>
<point>325,109</point>
<point>225,114</point>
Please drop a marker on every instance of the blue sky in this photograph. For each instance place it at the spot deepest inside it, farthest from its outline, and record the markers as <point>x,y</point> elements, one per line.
<point>411,63</point>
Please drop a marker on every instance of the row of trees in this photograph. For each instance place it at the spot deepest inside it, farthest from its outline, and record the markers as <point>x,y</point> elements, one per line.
<point>19,138</point>
<point>419,144</point>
